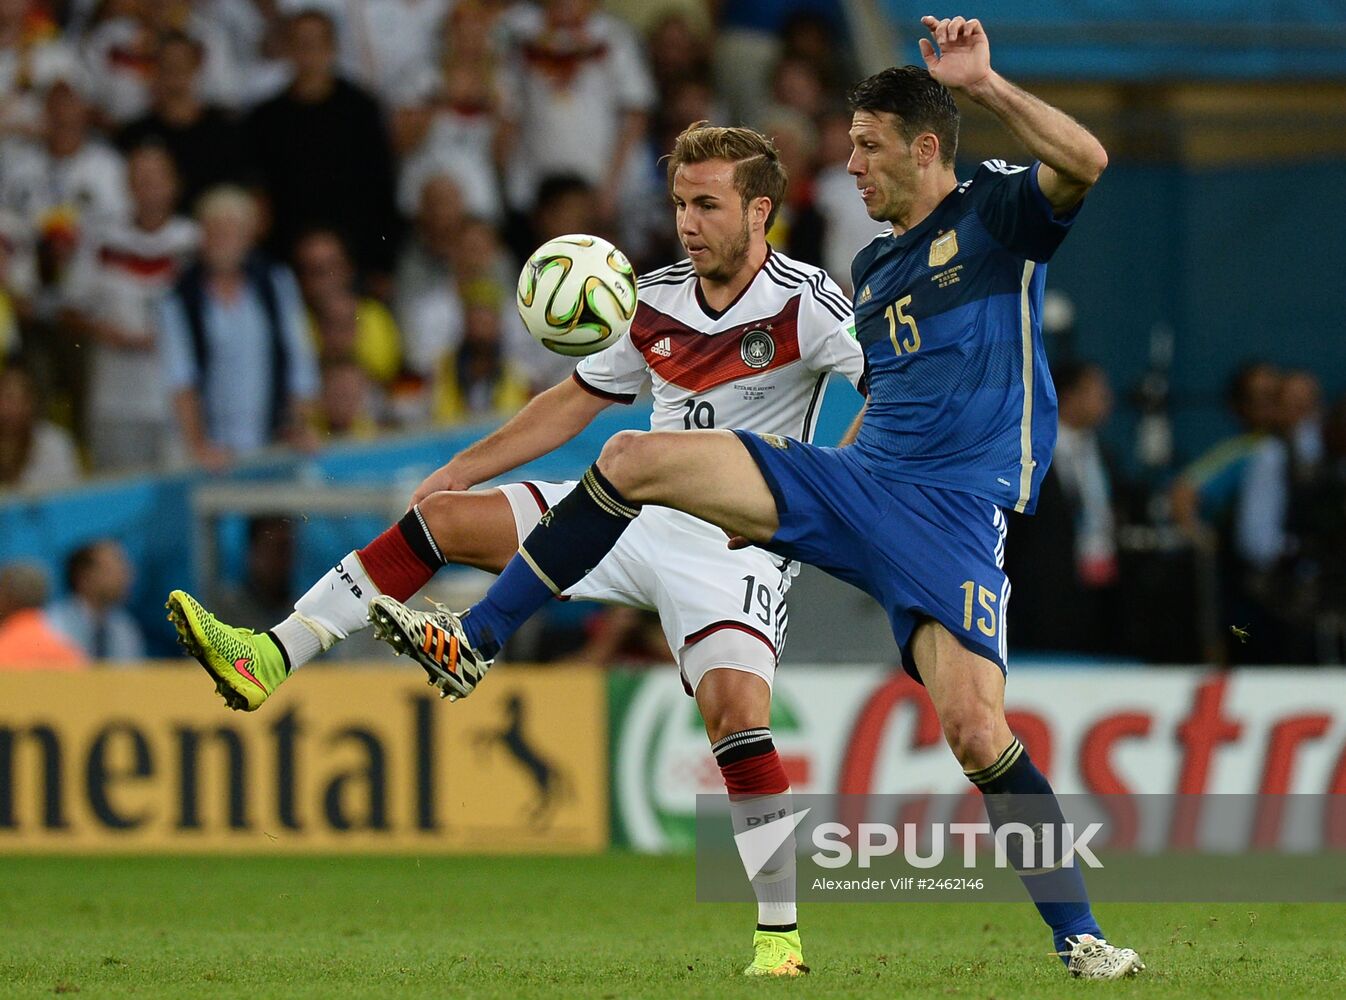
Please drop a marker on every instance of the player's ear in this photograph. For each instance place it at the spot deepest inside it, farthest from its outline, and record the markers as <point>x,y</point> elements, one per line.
<point>760,211</point>
<point>926,149</point>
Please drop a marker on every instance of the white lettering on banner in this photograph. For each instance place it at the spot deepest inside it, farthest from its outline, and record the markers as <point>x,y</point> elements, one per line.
<point>881,840</point>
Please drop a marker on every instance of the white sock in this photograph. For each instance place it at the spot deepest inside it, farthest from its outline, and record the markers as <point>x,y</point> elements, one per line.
<point>774,885</point>
<point>334,608</point>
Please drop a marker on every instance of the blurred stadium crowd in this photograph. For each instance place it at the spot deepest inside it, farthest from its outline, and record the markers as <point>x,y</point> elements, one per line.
<point>232,225</point>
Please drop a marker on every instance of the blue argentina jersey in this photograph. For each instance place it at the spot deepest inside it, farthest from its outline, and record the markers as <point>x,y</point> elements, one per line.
<point>949,316</point>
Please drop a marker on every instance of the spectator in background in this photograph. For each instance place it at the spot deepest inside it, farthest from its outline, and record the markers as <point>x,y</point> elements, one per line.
<point>115,284</point>
<point>645,16</point>
<point>346,407</point>
<point>754,34</point>
<point>63,186</point>
<point>207,144</point>
<point>1272,590</point>
<point>18,270</point>
<point>812,37</point>
<point>385,43</point>
<point>795,84</point>
<point>566,203</point>
<point>119,52</point>
<point>237,355</point>
<point>1207,491</point>
<point>1302,418</point>
<point>798,229</point>
<point>35,454</point>
<point>27,639</point>
<point>266,594</point>
<point>32,53</point>
<point>480,258</point>
<point>1281,464</point>
<point>478,379</point>
<point>344,325</point>
<point>678,51</point>
<point>584,95</point>
<point>93,614</point>
<point>686,101</point>
<point>254,31</point>
<point>450,250</point>
<point>447,118</point>
<point>323,151</point>
<point>1063,560</point>
<point>1233,501</point>
<point>122,49</point>
<point>427,307</point>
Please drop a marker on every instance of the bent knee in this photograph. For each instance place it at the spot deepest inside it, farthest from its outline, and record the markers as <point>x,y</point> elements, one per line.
<point>620,449</point>
<point>471,528</point>
<point>733,701</point>
<point>632,462</point>
<point>972,736</point>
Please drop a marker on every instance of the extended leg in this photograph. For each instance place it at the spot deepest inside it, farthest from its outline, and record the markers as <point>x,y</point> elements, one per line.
<point>467,529</point>
<point>473,529</point>
<point>708,474</point>
<point>968,692</point>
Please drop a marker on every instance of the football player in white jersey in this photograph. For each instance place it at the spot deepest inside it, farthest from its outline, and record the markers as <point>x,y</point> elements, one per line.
<point>735,336</point>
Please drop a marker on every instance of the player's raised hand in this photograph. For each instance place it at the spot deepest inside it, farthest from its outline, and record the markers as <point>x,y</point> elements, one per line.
<point>963,56</point>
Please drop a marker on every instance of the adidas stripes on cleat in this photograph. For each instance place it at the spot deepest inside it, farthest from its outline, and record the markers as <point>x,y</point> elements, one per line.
<point>435,639</point>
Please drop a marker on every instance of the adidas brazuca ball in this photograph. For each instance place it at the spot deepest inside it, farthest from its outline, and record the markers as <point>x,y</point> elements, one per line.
<point>577,294</point>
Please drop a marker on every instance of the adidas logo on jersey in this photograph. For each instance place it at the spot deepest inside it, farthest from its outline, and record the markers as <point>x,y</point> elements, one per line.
<point>663,347</point>
<point>866,295</point>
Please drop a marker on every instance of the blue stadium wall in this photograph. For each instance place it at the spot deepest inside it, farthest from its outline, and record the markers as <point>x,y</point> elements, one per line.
<point>1242,264</point>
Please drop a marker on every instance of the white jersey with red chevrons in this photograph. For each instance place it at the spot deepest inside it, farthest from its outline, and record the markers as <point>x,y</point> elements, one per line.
<point>118,276</point>
<point>761,364</point>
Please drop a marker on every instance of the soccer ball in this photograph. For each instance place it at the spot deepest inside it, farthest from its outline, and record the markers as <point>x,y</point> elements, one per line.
<point>577,294</point>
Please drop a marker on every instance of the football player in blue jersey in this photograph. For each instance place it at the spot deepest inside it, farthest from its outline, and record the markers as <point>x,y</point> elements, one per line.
<point>958,428</point>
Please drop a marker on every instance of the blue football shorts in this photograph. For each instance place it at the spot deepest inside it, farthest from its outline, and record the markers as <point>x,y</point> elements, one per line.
<point>923,552</point>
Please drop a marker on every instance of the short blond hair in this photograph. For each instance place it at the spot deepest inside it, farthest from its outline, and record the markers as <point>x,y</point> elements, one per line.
<point>758,171</point>
<point>229,200</point>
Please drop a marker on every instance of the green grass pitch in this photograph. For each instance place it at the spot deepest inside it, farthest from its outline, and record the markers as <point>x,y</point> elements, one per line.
<point>612,926</point>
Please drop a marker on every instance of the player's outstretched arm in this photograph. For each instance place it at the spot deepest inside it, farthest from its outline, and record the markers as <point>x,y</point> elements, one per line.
<point>547,422</point>
<point>1072,159</point>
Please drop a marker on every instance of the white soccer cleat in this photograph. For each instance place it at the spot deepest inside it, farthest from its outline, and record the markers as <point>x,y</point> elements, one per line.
<point>1091,957</point>
<point>436,641</point>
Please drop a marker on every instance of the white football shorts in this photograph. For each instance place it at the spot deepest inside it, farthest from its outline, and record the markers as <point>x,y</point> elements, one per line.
<point>719,607</point>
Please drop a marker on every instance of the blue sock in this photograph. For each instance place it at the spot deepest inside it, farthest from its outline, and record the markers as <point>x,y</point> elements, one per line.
<point>570,540</point>
<point>1016,791</point>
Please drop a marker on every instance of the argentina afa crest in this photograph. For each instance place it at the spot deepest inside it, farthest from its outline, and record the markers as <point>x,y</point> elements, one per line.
<point>944,248</point>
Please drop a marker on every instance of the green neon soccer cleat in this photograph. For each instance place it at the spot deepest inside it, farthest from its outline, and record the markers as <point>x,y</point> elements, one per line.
<point>247,667</point>
<point>778,953</point>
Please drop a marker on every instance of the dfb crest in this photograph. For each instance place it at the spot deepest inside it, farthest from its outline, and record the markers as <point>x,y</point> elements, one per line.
<point>757,348</point>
